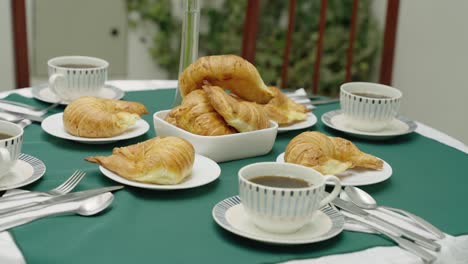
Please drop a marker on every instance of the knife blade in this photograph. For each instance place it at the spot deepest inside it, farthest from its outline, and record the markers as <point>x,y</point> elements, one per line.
<point>418,239</point>
<point>59,199</point>
<point>23,115</point>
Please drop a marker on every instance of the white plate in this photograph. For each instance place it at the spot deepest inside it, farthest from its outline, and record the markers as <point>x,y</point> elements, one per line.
<point>325,224</point>
<point>27,169</point>
<point>43,93</point>
<point>357,176</point>
<point>399,126</point>
<point>204,171</point>
<point>310,121</point>
<point>53,125</point>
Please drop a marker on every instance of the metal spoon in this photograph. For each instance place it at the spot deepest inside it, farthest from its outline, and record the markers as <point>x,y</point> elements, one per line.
<point>366,201</point>
<point>85,207</point>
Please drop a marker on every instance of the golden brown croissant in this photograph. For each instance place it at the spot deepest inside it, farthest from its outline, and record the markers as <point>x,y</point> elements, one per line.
<point>197,116</point>
<point>328,155</point>
<point>229,72</point>
<point>160,160</point>
<point>242,115</point>
<point>93,117</point>
<point>284,110</point>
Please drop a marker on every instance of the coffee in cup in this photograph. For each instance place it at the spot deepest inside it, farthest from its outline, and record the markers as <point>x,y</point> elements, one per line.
<point>369,106</point>
<point>283,197</point>
<point>71,77</point>
<point>11,141</point>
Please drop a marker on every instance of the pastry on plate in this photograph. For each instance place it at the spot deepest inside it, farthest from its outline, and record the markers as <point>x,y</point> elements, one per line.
<point>242,115</point>
<point>160,160</point>
<point>229,72</point>
<point>93,117</point>
<point>328,155</point>
<point>197,116</point>
<point>283,110</point>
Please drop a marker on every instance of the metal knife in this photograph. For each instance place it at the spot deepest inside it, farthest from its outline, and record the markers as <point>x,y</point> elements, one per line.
<point>403,243</point>
<point>30,107</point>
<point>418,239</point>
<point>23,115</point>
<point>59,199</point>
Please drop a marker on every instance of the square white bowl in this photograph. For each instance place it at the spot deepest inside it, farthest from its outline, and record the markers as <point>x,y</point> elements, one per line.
<point>221,148</point>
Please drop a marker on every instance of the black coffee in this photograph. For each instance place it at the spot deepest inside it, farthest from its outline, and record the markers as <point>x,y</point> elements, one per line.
<point>78,66</point>
<point>372,95</point>
<point>280,181</point>
<point>4,136</point>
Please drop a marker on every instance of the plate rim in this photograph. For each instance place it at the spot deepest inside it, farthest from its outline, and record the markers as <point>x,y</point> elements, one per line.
<point>39,169</point>
<point>353,183</point>
<point>143,122</point>
<point>326,119</point>
<point>150,186</point>
<point>311,117</point>
<point>338,222</point>
<point>35,91</point>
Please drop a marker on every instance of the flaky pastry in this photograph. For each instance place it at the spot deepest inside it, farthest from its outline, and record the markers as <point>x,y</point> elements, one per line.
<point>161,160</point>
<point>197,116</point>
<point>283,110</point>
<point>93,117</point>
<point>229,72</point>
<point>242,115</point>
<point>328,155</point>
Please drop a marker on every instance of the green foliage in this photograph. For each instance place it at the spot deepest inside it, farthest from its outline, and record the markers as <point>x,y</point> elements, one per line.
<point>224,36</point>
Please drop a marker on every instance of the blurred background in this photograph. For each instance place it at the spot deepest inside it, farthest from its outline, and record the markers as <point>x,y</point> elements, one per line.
<point>141,40</point>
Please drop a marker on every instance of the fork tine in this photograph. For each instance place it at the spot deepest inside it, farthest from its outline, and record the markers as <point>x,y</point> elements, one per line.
<point>71,181</point>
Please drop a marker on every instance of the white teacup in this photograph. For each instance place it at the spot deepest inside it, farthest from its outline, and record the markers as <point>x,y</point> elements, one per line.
<point>364,109</point>
<point>11,140</point>
<point>71,77</point>
<point>283,210</point>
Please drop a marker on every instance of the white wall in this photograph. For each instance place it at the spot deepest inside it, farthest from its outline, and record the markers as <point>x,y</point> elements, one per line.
<point>431,64</point>
<point>7,77</point>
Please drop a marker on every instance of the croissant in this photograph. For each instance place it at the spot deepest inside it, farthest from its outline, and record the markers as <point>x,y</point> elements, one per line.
<point>93,117</point>
<point>242,115</point>
<point>197,116</point>
<point>160,160</point>
<point>284,110</point>
<point>328,155</point>
<point>229,72</point>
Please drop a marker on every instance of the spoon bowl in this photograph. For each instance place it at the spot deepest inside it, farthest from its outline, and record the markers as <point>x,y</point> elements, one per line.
<point>95,204</point>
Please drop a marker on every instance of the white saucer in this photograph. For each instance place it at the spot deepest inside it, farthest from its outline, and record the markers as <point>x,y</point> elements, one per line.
<point>204,171</point>
<point>357,176</point>
<point>53,125</point>
<point>399,126</point>
<point>310,121</point>
<point>27,169</point>
<point>325,224</point>
<point>42,92</point>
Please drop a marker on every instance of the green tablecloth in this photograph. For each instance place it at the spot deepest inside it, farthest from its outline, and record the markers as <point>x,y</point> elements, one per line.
<point>145,226</point>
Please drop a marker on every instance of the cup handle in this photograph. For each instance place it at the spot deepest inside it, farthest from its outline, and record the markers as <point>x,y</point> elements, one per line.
<point>53,85</point>
<point>334,193</point>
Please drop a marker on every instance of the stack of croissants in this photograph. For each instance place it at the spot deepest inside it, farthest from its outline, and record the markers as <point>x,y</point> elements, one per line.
<point>207,109</point>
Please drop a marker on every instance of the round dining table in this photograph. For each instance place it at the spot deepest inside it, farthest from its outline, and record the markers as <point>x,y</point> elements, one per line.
<point>429,179</point>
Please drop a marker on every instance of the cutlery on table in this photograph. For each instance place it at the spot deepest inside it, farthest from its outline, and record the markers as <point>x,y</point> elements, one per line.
<point>20,197</point>
<point>364,200</point>
<point>70,197</point>
<point>17,116</point>
<point>85,207</point>
<point>418,239</point>
<point>41,111</point>
<point>403,243</point>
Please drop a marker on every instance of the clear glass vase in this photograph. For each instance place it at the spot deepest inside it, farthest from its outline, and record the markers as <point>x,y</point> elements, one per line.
<point>189,39</point>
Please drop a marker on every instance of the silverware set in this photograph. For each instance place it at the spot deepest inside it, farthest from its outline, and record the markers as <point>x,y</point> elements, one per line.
<point>19,207</point>
<point>22,118</point>
<point>406,239</point>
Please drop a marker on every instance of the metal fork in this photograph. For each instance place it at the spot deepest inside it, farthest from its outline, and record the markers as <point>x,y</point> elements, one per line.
<point>63,188</point>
